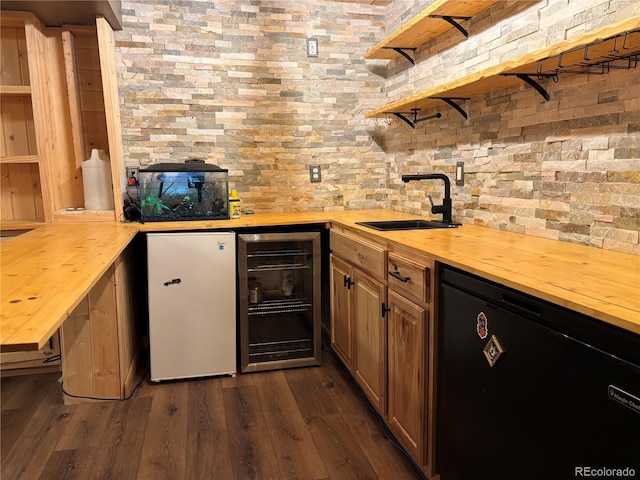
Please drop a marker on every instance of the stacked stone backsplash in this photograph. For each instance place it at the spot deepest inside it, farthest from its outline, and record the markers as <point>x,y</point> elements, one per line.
<point>567,169</point>
<point>230,81</point>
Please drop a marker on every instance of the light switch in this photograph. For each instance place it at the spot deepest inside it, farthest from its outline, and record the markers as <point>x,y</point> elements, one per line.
<point>460,174</point>
<point>312,47</point>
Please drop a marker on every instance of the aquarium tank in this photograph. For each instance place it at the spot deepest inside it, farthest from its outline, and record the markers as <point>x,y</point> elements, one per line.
<point>193,190</point>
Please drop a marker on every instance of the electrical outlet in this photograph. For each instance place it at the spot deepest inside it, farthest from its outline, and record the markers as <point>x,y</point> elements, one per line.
<point>132,171</point>
<point>132,174</point>
<point>315,174</point>
<point>460,174</point>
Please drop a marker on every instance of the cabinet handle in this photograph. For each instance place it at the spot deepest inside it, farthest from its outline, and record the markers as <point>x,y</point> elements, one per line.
<point>348,282</point>
<point>385,309</point>
<point>397,275</point>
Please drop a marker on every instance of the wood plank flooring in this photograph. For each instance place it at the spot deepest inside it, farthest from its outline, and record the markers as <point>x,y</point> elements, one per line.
<point>305,424</point>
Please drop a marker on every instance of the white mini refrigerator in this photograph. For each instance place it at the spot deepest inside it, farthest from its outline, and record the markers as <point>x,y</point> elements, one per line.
<point>192,304</point>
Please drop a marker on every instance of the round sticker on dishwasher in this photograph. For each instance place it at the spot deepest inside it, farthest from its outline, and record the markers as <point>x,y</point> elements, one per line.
<point>482,325</point>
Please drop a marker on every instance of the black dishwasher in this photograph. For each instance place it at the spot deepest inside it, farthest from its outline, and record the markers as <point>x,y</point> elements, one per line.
<point>530,390</point>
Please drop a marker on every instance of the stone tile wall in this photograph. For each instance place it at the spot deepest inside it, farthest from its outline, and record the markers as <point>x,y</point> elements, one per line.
<point>567,169</point>
<point>230,81</point>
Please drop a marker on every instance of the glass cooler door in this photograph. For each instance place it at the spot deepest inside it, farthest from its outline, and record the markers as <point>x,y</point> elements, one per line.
<point>279,300</point>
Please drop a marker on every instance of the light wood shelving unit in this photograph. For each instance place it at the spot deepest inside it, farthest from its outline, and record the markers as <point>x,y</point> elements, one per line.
<point>22,192</point>
<point>613,46</point>
<point>58,90</point>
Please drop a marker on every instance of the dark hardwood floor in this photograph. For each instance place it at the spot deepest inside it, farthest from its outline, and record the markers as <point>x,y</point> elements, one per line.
<point>306,424</point>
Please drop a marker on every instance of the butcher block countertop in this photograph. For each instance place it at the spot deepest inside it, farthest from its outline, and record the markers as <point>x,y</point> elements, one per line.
<point>46,272</point>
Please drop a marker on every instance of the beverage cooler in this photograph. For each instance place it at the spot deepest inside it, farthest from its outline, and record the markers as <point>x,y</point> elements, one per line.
<point>279,300</point>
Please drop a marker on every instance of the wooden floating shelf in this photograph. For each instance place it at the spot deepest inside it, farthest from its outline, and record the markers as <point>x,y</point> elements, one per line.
<point>424,27</point>
<point>567,57</point>
<point>15,90</point>
<point>19,159</point>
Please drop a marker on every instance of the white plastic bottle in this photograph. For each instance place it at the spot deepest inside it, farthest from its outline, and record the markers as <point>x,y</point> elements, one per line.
<point>96,179</point>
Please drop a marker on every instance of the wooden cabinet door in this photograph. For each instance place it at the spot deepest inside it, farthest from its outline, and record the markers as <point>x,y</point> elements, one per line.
<point>407,371</point>
<point>370,338</point>
<point>341,324</point>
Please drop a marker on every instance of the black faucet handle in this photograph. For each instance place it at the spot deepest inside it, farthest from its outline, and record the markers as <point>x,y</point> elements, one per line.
<point>436,208</point>
<point>439,209</point>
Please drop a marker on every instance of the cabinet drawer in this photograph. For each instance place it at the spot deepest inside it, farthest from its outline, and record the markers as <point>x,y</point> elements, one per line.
<point>408,277</point>
<point>368,256</point>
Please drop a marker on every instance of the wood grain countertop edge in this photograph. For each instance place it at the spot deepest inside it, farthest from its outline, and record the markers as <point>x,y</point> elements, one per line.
<point>469,248</point>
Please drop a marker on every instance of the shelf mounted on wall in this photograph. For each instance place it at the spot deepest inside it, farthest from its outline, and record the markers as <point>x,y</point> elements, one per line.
<point>434,20</point>
<point>528,78</point>
<point>452,19</point>
<point>452,102</point>
<point>411,117</point>
<point>596,58</point>
<point>403,51</point>
<point>615,46</point>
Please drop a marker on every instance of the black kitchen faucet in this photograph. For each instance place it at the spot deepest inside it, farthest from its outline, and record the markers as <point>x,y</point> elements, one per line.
<point>445,208</point>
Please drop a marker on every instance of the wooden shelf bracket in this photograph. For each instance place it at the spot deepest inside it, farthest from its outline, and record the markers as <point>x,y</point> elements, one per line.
<point>403,51</point>
<point>452,20</point>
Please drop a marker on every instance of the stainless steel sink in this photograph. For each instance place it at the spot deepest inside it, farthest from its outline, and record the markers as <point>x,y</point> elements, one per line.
<point>408,225</point>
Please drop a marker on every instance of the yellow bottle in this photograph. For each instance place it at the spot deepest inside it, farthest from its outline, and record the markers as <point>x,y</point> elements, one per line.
<point>234,204</point>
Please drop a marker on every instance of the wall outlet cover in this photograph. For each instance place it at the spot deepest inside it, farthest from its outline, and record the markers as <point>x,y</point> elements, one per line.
<point>315,173</point>
<point>133,175</point>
